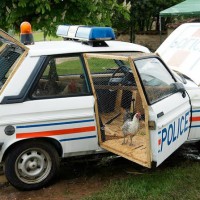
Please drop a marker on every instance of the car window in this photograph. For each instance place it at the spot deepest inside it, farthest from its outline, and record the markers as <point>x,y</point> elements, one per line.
<point>156,79</point>
<point>62,76</point>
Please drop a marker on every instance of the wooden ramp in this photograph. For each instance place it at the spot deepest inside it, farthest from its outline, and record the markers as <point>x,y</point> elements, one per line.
<point>136,153</point>
<point>114,138</point>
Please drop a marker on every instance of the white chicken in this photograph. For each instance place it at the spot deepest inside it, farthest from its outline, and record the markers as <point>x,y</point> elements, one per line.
<point>130,127</point>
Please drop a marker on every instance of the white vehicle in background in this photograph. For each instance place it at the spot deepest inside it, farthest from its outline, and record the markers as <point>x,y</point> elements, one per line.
<point>68,98</point>
<point>180,51</point>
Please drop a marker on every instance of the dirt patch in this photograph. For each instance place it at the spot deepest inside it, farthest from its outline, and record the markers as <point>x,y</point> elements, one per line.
<point>81,179</point>
<point>76,180</point>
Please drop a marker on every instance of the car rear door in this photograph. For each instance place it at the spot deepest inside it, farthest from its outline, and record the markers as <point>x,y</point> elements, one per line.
<point>169,108</point>
<point>59,105</point>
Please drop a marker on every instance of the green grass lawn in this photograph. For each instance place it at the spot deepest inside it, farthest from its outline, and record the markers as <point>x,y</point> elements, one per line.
<point>179,182</point>
<point>38,36</point>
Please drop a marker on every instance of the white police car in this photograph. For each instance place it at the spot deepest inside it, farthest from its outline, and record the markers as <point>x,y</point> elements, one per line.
<point>70,98</point>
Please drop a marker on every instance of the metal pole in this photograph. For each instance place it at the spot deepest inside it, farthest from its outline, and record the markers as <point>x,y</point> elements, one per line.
<point>132,31</point>
<point>160,29</point>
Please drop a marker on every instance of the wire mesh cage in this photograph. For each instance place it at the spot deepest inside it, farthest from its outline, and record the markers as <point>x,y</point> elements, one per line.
<point>120,106</point>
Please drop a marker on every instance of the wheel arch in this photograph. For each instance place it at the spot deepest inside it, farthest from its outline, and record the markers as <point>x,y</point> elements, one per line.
<point>51,141</point>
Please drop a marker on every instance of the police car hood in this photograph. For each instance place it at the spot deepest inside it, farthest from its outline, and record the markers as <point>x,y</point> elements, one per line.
<point>181,50</point>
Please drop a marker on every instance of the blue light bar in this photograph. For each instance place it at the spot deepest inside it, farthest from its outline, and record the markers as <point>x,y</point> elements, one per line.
<point>86,33</point>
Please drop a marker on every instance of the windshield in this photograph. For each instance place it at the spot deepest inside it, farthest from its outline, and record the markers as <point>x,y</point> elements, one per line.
<point>10,53</point>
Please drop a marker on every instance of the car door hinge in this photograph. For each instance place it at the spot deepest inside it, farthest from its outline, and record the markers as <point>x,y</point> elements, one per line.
<point>152,125</point>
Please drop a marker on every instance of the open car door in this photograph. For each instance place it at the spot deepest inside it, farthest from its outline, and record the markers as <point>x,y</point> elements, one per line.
<point>142,116</point>
<point>169,107</point>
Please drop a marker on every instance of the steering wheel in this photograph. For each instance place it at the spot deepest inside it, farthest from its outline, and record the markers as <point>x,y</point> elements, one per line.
<point>127,79</point>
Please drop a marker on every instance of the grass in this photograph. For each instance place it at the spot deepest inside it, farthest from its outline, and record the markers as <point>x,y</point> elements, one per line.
<point>69,67</point>
<point>38,36</point>
<point>73,66</point>
<point>180,182</point>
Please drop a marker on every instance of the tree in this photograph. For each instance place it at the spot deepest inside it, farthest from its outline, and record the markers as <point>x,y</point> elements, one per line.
<point>144,12</point>
<point>47,14</point>
<point>3,13</point>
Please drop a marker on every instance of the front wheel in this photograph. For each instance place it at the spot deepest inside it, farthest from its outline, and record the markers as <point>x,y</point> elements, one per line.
<point>31,165</point>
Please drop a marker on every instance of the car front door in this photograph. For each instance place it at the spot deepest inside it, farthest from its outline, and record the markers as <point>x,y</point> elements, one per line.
<point>169,108</point>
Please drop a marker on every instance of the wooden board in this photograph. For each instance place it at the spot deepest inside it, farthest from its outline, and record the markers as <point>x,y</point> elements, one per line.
<point>146,110</point>
<point>136,153</point>
<point>114,138</point>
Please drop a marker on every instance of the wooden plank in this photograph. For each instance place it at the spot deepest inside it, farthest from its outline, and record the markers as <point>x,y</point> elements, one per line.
<point>132,108</point>
<point>103,56</point>
<point>95,97</point>
<point>136,153</point>
<point>3,46</point>
<point>105,75</point>
<point>138,104</point>
<point>9,38</point>
<point>145,106</point>
<point>110,131</point>
<point>116,129</point>
<point>118,99</point>
<point>117,87</point>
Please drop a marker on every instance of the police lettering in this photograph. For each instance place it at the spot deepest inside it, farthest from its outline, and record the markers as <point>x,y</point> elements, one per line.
<point>174,130</point>
<point>191,44</point>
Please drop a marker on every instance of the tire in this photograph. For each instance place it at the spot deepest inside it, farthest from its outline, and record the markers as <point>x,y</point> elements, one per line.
<point>31,165</point>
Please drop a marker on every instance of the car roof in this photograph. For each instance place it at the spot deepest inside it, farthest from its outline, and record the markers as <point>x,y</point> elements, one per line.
<point>62,47</point>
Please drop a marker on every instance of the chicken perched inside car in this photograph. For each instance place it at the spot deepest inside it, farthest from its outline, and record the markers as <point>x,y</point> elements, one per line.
<point>130,127</point>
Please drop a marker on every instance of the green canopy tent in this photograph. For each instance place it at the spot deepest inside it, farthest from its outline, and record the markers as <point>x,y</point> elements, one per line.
<point>186,8</point>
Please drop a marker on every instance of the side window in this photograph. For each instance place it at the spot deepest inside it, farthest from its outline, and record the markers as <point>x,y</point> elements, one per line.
<point>62,76</point>
<point>157,81</point>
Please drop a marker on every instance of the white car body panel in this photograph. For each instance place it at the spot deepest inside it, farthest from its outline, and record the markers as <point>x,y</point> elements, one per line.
<point>34,118</point>
<point>180,50</point>
<point>62,47</point>
<point>172,128</point>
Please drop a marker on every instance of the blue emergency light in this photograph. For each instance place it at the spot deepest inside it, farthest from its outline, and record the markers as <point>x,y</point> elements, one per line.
<point>86,33</point>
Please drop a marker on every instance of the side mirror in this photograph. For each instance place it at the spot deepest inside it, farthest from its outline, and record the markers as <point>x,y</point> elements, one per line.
<point>179,87</point>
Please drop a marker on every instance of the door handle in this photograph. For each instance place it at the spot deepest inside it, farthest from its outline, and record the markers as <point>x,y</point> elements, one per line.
<point>160,114</point>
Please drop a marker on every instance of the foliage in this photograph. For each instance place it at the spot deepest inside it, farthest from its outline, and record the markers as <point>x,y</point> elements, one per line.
<point>143,13</point>
<point>47,14</point>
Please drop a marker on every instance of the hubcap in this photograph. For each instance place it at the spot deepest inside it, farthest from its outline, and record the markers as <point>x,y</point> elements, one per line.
<point>33,165</point>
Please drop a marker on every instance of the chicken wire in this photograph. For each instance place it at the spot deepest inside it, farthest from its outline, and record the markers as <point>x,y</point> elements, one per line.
<point>120,108</point>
